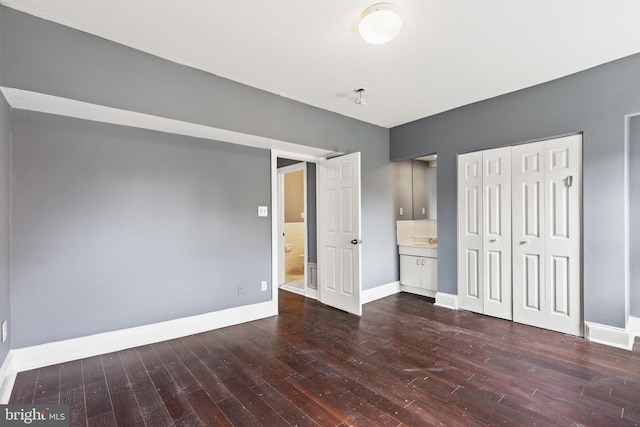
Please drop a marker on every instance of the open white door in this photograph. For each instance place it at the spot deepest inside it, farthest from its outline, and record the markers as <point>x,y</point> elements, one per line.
<point>339,233</point>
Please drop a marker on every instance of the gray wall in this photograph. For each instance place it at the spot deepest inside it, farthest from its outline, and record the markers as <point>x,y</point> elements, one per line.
<point>45,57</point>
<point>634,213</point>
<point>312,228</point>
<point>5,295</point>
<point>403,190</point>
<point>593,102</point>
<point>116,227</point>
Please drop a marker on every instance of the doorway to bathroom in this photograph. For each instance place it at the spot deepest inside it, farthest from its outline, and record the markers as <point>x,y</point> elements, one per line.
<point>296,227</point>
<point>333,217</point>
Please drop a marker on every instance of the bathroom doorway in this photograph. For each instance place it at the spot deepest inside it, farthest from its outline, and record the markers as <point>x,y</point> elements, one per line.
<point>340,284</point>
<point>296,215</point>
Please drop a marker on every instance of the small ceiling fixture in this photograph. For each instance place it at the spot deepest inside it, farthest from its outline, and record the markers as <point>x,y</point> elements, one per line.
<point>380,23</point>
<point>360,100</point>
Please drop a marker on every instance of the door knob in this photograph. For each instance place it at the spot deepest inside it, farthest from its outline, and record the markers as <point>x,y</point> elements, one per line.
<point>356,241</point>
<point>494,240</point>
<point>524,242</point>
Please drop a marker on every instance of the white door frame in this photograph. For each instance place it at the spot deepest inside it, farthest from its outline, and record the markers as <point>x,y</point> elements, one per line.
<point>302,166</point>
<point>275,211</point>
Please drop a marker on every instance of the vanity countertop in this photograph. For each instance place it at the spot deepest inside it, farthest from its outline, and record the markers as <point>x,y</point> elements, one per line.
<point>418,249</point>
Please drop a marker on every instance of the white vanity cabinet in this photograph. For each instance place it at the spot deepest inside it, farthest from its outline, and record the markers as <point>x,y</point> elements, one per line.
<point>419,269</point>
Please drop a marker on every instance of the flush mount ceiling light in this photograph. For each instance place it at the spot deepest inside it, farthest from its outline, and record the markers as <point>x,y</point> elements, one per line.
<point>380,23</point>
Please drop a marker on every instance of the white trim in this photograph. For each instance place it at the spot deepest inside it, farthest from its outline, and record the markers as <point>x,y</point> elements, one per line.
<point>382,291</point>
<point>418,291</point>
<point>7,378</point>
<point>633,328</point>
<point>292,288</point>
<point>608,335</point>
<point>77,348</point>
<point>446,300</point>
<point>625,211</point>
<point>311,293</point>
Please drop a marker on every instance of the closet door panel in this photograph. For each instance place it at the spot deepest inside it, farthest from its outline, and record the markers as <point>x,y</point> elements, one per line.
<point>547,283</point>
<point>496,255</point>
<point>563,178</point>
<point>532,282</point>
<point>519,233</point>
<point>470,223</point>
<point>472,279</point>
<point>529,292</point>
<point>560,285</point>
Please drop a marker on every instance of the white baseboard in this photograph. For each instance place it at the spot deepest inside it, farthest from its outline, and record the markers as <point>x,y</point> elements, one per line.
<point>446,300</point>
<point>633,327</point>
<point>77,348</point>
<point>292,288</point>
<point>369,295</point>
<point>418,291</point>
<point>608,335</point>
<point>7,378</point>
<point>311,293</point>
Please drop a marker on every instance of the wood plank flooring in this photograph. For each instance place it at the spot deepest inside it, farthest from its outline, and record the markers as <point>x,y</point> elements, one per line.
<point>405,362</point>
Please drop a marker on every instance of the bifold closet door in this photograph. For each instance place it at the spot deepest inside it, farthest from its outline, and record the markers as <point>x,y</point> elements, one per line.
<point>547,200</point>
<point>470,221</point>
<point>484,230</point>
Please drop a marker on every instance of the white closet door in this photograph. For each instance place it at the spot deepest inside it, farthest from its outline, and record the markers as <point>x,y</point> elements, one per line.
<point>547,200</point>
<point>470,288</point>
<point>528,234</point>
<point>496,251</point>
<point>563,213</point>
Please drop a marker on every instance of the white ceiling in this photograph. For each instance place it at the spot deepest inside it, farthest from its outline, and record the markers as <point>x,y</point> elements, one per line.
<point>449,52</point>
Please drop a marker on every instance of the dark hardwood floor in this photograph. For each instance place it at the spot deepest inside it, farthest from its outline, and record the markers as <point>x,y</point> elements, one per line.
<point>404,362</point>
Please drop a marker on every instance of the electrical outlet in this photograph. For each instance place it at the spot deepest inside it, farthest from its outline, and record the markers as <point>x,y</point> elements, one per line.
<point>240,289</point>
<point>424,210</point>
<point>401,211</point>
<point>264,285</point>
<point>5,331</point>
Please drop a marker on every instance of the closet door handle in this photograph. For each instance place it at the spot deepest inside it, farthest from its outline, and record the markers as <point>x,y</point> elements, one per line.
<point>524,242</point>
<point>569,180</point>
<point>497,239</point>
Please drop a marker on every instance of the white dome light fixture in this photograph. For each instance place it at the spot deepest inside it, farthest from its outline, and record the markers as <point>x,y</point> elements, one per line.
<point>380,23</point>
